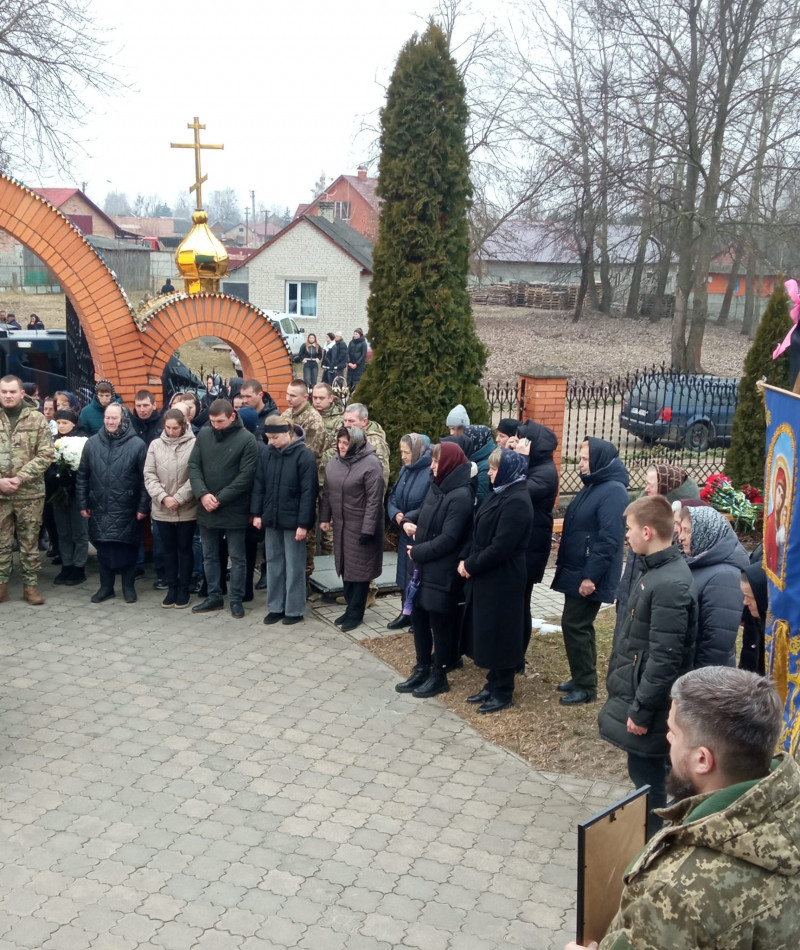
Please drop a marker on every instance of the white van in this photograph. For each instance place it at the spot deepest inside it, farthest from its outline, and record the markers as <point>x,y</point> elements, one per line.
<point>289,330</point>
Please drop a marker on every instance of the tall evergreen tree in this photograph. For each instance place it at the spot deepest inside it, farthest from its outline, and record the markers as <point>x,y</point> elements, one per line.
<point>426,354</point>
<point>746,457</point>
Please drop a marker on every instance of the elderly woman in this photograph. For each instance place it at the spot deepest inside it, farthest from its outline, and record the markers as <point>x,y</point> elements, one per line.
<point>440,530</point>
<point>111,494</point>
<point>407,495</point>
<point>352,498</point>
<point>174,507</point>
<point>497,574</point>
<point>716,560</point>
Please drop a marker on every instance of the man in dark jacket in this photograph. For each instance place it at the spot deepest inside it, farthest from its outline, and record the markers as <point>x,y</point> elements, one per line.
<point>222,467</point>
<point>146,419</point>
<point>254,396</point>
<point>589,561</point>
<point>653,648</point>
<point>284,503</point>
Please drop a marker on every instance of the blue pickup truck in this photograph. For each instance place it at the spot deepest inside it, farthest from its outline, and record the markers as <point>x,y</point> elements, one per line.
<point>690,410</point>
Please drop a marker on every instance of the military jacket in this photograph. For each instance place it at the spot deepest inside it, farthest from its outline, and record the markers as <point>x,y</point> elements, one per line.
<point>26,452</point>
<point>724,874</point>
<point>377,439</point>
<point>310,421</point>
<point>333,420</point>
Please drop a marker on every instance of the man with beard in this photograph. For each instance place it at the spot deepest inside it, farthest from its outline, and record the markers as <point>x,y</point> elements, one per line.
<point>725,872</point>
<point>655,645</point>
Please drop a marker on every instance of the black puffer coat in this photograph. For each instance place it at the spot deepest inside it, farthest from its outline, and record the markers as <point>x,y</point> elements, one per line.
<point>594,527</point>
<point>653,648</point>
<point>444,525</point>
<point>286,485</point>
<point>496,608</point>
<point>110,484</point>
<point>352,497</point>
<point>541,480</point>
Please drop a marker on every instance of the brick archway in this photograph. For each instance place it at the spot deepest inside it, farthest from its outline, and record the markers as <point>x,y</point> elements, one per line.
<point>123,350</point>
<point>184,318</point>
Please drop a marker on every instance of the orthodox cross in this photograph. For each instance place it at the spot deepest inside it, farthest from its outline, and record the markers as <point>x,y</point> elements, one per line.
<point>198,184</point>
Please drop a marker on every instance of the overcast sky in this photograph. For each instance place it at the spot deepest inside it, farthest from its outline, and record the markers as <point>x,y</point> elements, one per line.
<point>284,86</point>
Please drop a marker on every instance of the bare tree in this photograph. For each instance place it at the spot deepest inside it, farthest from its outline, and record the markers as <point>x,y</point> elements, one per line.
<point>51,54</point>
<point>116,203</point>
<point>182,207</point>
<point>223,207</point>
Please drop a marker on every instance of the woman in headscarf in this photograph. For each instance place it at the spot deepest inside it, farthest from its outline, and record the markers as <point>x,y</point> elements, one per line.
<point>756,603</point>
<point>440,529</point>
<point>716,560</point>
<point>496,571</point>
<point>111,494</point>
<point>352,499</point>
<point>407,495</point>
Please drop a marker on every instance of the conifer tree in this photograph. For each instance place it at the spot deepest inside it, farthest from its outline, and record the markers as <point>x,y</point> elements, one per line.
<point>746,457</point>
<point>426,354</point>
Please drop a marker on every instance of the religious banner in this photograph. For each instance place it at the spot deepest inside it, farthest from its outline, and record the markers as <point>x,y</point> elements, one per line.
<point>781,559</point>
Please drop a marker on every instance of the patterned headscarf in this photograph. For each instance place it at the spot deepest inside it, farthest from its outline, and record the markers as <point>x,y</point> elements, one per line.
<point>511,469</point>
<point>708,528</point>
<point>669,477</point>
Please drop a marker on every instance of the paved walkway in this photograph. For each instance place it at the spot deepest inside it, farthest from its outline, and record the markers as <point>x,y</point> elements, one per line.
<point>179,782</point>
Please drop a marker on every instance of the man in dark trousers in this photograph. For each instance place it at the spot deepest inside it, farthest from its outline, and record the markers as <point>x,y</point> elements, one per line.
<point>654,646</point>
<point>222,468</point>
<point>589,561</point>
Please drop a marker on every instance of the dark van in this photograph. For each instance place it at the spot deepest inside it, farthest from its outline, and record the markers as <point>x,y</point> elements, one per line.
<point>690,410</point>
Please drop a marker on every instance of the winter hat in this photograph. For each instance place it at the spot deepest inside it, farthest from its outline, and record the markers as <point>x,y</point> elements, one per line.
<point>508,426</point>
<point>669,477</point>
<point>67,414</point>
<point>457,417</point>
<point>249,418</point>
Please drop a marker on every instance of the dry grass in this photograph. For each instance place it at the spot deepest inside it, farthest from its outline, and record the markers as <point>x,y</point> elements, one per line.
<point>551,737</point>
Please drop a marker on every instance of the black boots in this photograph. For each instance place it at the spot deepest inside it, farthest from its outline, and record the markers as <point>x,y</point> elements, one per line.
<point>128,585</point>
<point>436,683</point>
<point>418,676</point>
<point>400,621</point>
<point>106,590</point>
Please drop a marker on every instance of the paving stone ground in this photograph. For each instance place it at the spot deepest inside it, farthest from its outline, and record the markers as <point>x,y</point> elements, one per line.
<point>175,781</point>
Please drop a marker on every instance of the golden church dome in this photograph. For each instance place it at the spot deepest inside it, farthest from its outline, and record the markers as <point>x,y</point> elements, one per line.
<point>201,257</point>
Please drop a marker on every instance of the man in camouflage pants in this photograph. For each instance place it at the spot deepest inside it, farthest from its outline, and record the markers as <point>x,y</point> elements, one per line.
<point>332,413</point>
<point>725,871</point>
<point>26,451</point>
<point>302,413</point>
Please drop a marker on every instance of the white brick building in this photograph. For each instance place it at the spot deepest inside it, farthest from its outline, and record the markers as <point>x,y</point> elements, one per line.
<point>319,271</point>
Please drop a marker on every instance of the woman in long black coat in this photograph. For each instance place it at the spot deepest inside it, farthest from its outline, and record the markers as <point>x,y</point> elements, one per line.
<point>408,494</point>
<point>440,530</point>
<point>497,573</point>
<point>356,359</point>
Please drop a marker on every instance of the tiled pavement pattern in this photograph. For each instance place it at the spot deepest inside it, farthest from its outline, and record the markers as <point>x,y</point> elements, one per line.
<point>178,782</point>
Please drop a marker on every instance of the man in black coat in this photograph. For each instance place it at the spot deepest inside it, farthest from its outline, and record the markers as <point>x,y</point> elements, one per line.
<point>589,561</point>
<point>255,397</point>
<point>654,646</point>
<point>146,423</point>
<point>222,468</point>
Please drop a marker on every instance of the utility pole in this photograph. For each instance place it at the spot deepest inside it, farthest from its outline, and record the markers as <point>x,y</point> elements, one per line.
<point>253,201</point>
<point>246,226</point>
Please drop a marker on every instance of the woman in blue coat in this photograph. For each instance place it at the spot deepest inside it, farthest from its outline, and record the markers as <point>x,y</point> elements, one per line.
<point>407,495</point>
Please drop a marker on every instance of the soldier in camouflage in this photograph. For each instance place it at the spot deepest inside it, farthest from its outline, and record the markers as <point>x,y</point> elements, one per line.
<point>725,873</point>
<point>302,413</point>
<point>26,451</point>
<point>332,412</point>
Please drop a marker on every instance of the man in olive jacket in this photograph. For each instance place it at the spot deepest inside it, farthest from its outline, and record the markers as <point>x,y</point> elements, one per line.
<point>222,468</point>
<point>654,646</point>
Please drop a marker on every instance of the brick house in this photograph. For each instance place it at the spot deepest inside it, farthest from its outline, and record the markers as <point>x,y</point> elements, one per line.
<point>317,269</point>
<point>351,199</point>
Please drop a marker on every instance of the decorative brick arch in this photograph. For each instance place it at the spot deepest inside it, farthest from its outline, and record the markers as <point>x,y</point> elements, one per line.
<point>123,350</point>
<point>182,318</point>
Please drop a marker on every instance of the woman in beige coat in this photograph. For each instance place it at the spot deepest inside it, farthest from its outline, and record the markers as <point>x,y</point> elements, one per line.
<point>174,507</point>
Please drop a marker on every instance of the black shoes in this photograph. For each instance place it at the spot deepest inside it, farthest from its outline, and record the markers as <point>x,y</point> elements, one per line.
<point>105,593</point>
<point>419,675</point>
<point>577,697</point>
<point>436,683</point>
<point>340,620</point>
<point>455,665</point>
<point>63,575</point>
<point>273,617</point>
<point>172,596</point>
<point>161,584</point>
<point>567,687</point>
<point>348,625</point>
<point>182,599</point>
<point>209,604</point>
<point>480,697</point>
<point>237,611</point>
<point>261,583</point>
<point>494,705</point>
<point>290,620</point>
<point>77,576</point>
<point>400,621</point>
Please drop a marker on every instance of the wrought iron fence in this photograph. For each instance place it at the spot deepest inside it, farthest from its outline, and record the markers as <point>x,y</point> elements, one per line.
<point>651,415</point>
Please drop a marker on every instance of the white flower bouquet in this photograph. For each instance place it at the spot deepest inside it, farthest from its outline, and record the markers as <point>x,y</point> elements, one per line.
<point>68,451</point>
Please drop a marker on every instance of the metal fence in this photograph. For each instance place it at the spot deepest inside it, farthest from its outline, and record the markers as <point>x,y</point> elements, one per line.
<point>651,415</point>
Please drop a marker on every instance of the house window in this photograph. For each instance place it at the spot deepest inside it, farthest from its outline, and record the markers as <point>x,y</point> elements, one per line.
<point>301,298</point>
<point>341,209</point>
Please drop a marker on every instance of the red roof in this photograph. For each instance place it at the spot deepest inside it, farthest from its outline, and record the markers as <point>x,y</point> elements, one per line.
<point>59,196</point>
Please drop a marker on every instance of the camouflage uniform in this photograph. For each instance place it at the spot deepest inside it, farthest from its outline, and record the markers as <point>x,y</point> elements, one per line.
<point>26,453</point>
<point>377,439</point>
<point>725,874</point>
<point>314,434</point>
<point>334,420</point>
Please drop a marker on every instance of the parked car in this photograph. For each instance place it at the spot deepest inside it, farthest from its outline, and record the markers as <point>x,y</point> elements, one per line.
<point>690,410</point>
<point>40,356</point>
<point>293,335</point>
